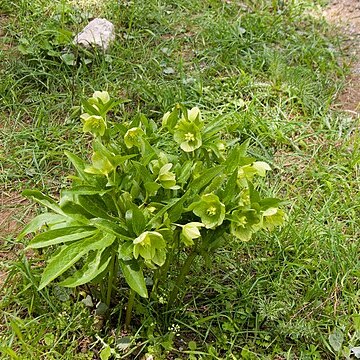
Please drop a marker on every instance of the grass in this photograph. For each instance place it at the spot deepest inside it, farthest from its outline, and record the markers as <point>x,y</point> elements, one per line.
<point>272,69</point>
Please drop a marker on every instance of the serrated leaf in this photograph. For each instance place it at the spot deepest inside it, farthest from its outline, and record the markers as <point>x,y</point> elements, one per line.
<point>62,235</point>
<point>70,254</point>
<point>39,221</point>
<point>95,264</point>
<point>134,276</point>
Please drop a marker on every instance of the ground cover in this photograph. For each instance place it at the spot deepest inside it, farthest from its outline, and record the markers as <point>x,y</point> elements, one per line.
<point>274,71</point>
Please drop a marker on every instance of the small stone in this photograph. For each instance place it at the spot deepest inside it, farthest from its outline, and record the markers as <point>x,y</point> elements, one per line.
<point>99,32</point>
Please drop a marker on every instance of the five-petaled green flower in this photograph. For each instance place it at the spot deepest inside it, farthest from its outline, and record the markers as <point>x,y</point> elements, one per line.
<point>94,124</point>
<point>190,232</point>
<point>133,137</point>
<point>194,114</point>
<point>243,224</point>
<point>103,96</point>
<point>151,246</point>
<point>272,218</point>
<point>210,210</point>
<point>188,135</point>
<point>247,172</point>
<point>167,178</point>
<point>100,165</point>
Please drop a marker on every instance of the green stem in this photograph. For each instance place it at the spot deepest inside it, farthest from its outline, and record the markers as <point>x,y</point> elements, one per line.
<point>110,279</point>
<point>129,308</point>
<point>181,277</point>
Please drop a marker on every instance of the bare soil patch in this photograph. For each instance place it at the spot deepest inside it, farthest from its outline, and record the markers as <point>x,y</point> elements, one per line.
<point>346,14</point>
<point>14,210</point>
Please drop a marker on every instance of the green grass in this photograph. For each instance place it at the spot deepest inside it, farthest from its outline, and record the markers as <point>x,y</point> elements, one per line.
<point>274,74</point>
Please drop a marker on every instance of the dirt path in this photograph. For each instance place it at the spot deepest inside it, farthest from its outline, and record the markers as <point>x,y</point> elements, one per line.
<point>346,14</point>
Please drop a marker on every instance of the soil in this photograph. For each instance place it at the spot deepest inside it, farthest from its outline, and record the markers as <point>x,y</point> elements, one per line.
<point>14,210</point>
<point>346,14</point>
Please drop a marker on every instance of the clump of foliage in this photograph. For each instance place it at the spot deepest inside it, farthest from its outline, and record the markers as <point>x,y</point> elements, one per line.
<point>149,195</point>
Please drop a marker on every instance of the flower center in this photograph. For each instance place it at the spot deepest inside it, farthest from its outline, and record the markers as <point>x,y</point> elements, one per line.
<point>211,211</point>
<point>189,136</point>
<point>242,221</point>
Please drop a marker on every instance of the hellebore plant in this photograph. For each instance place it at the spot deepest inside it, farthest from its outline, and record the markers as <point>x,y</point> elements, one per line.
<point>148,196</point>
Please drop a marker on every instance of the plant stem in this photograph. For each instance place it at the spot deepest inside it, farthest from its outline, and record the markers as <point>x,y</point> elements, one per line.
<point>110,279</point>
<point>129,308</point>
<point>181,277</point>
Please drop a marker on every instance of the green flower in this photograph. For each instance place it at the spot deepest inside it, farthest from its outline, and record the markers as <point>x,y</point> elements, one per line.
<point>151,246</point>
<point>273,217</point>
<point>190,232</point>
<point>165,118</point>
<point>94,124</point>
<point>243,224</point>
<point>210,210</point>
<point>188,135</point>
<point>103,96</point>
<point>167,178</point>
<point>256,168</point>
<point>133,137</point>
<point>194,114</point>
<point>100,165</point>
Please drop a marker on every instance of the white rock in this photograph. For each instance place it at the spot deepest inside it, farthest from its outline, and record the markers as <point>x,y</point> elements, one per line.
<point>99,32</point>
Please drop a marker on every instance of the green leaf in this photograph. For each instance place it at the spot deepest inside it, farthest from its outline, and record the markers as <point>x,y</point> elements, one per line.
<point>84,190</point>
<point>105,353</point>
<point>95,206</point>
<point>75,212</point>
<point>134,276</point>
<point>69,59</point>
<point>80,166</point>
<point>336,339</point>
<point>95,264</point>
<point>44,200</point>
<point>176,211</point>
<point>214,127</point>
<point>185,172</point>
<point>204,178</point>
<point>39,221</point>
<point>269,203</point>
<point>235,154</point>
<point>135,220</point>
<point>111,228</point>
<point>152,187</point>
<point>8,351</point>
<point>62,235</point>
<point>161,212</point>
<point>70,254</point>
<point>230,189</point>
<point>91,109</point>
